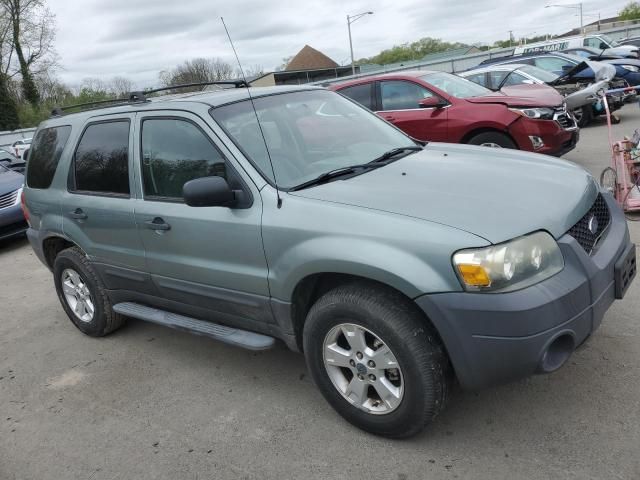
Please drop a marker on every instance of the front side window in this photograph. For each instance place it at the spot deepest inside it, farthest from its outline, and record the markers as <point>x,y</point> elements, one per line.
<point>479,78</point>
<point>496,78</point>
<point>308,133</point>
<point>175,151</point>
<point>515,78</point>
<point>400,95</point>
<point>454,85</point>
<point>361,94</point>
<point>45,155</point>
<point>101,162</point>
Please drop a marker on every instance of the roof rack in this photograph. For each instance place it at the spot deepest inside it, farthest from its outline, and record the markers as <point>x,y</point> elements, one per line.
<point>139,97</point>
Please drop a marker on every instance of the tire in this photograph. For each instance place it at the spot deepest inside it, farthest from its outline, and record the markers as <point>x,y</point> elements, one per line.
<point>88,285</point>
<point>423,378</point>
<point>492,139</point>
<point>583,115</point>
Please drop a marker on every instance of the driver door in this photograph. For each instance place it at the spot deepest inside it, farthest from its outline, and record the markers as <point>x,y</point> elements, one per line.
<point>399,104</point>
<point>206,257</point>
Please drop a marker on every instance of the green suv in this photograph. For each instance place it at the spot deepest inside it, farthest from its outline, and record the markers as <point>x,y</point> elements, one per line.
<point>395,267</point>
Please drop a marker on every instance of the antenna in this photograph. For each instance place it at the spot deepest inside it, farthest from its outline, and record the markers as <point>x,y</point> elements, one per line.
<point>264,139</point>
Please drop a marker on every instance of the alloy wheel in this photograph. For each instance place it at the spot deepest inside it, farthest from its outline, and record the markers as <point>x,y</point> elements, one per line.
<point>363,369</point>
<point>77,295</point>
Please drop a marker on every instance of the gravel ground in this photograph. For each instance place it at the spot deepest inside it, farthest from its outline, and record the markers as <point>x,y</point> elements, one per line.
<point>148,402</point>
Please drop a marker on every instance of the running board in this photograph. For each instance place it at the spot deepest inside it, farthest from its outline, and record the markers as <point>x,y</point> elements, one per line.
<point>233,336</point>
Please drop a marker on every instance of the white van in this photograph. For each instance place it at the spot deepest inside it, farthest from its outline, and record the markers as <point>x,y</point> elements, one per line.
<point>599,41</point>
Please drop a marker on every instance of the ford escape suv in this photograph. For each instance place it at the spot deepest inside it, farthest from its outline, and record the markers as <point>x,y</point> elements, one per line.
<point>313,221</point>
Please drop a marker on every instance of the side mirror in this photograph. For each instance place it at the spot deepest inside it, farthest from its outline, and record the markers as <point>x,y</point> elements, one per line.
<point>208,192</point>
<point>432,102</point>
<point>25,155</point>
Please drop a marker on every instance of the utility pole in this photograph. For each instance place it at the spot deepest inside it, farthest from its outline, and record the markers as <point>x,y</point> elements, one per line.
<point>510,38</point>
<point>350,20</point>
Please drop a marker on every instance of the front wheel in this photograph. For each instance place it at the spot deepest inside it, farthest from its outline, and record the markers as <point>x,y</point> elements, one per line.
<point>376,360</point>
<point>583,115</point>
<point>492,139</point>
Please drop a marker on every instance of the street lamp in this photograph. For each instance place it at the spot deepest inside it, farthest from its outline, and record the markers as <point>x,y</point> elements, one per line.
<point>577,6</point>
<point>350,20</point>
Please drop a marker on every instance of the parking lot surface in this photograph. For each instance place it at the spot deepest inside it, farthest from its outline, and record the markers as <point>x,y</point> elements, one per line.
<point>152,403</point>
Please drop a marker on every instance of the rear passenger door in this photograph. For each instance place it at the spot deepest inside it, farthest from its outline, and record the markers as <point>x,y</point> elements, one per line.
<point>97,207</point>
<point>206,257</point>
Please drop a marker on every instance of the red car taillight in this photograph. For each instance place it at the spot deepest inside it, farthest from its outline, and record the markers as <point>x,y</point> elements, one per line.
<point>25,210</point>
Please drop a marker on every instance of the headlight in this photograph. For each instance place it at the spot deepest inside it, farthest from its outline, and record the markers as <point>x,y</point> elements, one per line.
<point>537,113</point>
<point>19,196</point>
<point>631,68</point>
<point>509,266</point>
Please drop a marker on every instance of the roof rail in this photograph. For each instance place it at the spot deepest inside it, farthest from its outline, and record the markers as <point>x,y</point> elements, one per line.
<point>139,97</point>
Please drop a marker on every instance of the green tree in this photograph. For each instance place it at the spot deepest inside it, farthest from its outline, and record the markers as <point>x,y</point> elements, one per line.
<point>8,108</point>
<point>411,51</point>
<point>631,11</point>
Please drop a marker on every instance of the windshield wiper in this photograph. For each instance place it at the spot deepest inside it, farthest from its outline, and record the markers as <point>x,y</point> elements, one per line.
<point>377,162</point>
<point>394,153</point>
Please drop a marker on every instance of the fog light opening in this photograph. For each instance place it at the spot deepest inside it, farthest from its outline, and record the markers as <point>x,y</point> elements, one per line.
<point>557,353</point>
<point>536,142</point>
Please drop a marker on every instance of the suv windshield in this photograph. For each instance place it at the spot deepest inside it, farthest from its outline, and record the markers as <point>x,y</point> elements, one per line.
<point>538,73</point>
<point>455,86</point>
<point>309,133</point>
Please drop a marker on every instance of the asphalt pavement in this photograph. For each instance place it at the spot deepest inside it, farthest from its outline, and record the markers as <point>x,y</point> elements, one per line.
<point>151,403</point>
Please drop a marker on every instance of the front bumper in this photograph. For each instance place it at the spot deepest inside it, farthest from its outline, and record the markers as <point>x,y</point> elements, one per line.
<point>497,338</point>
<point>557,140</point>
<point>12,222</point>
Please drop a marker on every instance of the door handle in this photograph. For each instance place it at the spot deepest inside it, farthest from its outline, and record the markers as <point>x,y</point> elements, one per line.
<point>78,214</point>
<point>157,224</point>
<point>389,117</point>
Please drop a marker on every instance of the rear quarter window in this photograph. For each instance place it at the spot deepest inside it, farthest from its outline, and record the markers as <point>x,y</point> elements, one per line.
<point>44,155</point>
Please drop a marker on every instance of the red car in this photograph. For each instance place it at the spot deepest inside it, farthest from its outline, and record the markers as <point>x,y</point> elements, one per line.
<point>440,107</point>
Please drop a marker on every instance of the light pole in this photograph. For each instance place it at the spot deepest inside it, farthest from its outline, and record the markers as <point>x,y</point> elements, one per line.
<point>578,7</point>
<point>350,20</point>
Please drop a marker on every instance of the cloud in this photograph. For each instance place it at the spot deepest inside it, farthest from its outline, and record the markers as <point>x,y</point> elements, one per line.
<point>139,38</point>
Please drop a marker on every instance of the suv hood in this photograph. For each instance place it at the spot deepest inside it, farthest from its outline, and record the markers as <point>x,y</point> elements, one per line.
<point>522,96</point>
<point>493,193</point>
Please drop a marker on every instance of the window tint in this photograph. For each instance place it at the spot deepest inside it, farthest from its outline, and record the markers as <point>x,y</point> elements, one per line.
<point>496,78</point>
<point>398,95</point>
<point>516,79</point>
<point>552,64</point>
<point>45,155</point>
<point>173,152</point>
<point>102,157</point>
<point>361,94</point>
<point>479,78</point>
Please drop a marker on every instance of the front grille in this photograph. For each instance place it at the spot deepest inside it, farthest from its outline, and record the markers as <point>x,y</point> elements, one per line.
<point>582,231</point>
<point>564,119</point>
<point>8,199</point>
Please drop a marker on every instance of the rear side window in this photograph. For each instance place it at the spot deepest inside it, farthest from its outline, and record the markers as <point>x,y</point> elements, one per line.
<point>173,152</point>
<point>45,154</point>
<point>102,159</point>
<point>361,94</point>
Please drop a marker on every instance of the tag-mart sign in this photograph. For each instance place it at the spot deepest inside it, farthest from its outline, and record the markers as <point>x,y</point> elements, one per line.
<point>552,47</point>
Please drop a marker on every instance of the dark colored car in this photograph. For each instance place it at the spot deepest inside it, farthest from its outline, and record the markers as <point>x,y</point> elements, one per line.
<point>12,220</point>
<point>440,107</point>
<point>627,69</point>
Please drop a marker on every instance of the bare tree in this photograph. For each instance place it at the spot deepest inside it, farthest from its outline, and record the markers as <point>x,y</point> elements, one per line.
<point>32,36</point>
<point>198,70</point>
<point>120,86</point>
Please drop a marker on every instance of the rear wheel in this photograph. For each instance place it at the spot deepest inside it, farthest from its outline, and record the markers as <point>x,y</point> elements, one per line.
<point>82,294</point>
<point>376,360</point>
<point>492,139</point>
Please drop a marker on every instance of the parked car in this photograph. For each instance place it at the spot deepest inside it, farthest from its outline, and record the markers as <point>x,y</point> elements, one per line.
<point>582,97</point>
<point>12,221</point>
<point>560,63</point>
<point>20,146</point>
<point>394,267</point>
<point>599,41</point>
<point>594,54</point>
<point>7,158</point>
<point>633,41</point>
<point>440,107</point>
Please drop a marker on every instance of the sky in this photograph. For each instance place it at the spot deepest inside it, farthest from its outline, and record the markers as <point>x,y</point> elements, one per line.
<point>139,38</point>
